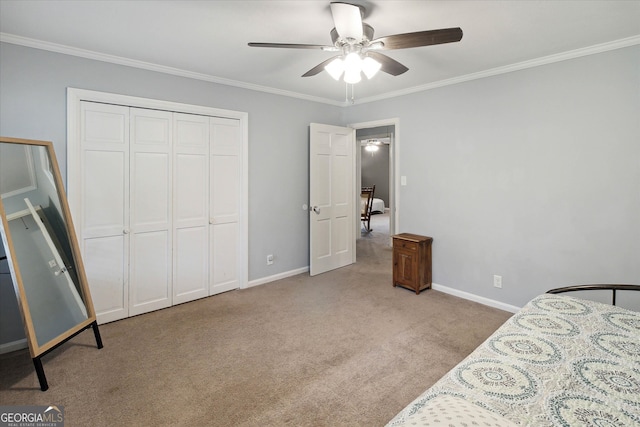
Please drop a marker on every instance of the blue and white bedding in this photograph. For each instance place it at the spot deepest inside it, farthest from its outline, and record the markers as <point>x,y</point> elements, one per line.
<point>560,361</point>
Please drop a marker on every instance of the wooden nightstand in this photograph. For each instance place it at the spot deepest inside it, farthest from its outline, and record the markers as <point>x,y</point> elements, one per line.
<point>412,261</point>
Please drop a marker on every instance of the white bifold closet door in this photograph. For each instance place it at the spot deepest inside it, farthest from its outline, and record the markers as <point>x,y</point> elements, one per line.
<point>191,210</point>
<point>104,207</point>
<point>160,197</point>
<point>150,213</point>
<point>224,202</point>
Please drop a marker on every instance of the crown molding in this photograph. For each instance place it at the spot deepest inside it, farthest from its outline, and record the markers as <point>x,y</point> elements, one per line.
<point>572,54</point>
<point>119,60</point>
<point>88,54</point>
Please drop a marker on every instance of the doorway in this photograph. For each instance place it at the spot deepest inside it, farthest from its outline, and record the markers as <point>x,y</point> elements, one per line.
<point>378,167</point>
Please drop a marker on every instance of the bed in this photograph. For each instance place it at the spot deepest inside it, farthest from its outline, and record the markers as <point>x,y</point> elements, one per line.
<point>559,361</point>
<point>377,206</point>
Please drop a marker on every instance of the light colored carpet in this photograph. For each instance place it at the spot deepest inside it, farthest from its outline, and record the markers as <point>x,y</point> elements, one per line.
<point>343,348</point>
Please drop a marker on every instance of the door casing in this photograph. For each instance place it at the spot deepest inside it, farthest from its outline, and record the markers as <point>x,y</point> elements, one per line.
<point>394,167</point>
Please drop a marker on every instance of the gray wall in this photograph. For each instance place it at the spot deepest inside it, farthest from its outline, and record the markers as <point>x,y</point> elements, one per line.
<point>532,175</point>
<point>33,105</point>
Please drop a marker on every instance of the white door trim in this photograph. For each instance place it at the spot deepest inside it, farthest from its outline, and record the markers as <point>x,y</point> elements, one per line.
<point>394,170</point>
<point>76,96</point>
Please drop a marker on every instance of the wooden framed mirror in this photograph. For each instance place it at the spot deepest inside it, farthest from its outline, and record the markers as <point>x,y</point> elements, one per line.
<point>42,250</point>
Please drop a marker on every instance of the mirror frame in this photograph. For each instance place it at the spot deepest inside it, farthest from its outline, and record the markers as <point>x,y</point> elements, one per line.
<point>38,350</point>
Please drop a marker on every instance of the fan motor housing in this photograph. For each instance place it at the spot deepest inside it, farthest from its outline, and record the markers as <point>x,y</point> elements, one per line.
<point>367,35</point>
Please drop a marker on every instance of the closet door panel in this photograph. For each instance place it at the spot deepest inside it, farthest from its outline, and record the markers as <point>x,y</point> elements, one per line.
<point>191,270</point>
<point>224,202</point>
<point>225,170</point>
<point>106,125</point>
<point>224,249</point>
<point>150,191</point>
<point>150,272</point>
<point>104,259</point>
<point>190,198</point>
<point>226,136</point>
<point>225,186</point>
<point>105,194</point>
<point>102,221</point>
<point>150,210</point>
<point>191,208</point>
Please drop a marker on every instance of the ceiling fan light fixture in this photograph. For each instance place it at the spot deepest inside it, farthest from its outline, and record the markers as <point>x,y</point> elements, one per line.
<point>352,76</point>
<point>370,67</point>
<point>352,68</point>
<point>335,68</point>
<point>372,145</point>
<point>358,49</point>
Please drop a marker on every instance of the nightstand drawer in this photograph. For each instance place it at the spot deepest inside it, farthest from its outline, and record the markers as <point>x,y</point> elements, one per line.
<point>403,244</point>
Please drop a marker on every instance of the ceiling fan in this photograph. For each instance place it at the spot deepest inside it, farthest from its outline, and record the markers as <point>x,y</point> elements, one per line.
<point>359,51</point>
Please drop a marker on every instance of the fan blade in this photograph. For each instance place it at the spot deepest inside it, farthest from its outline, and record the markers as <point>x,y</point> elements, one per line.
<point>318,68</point>
<point>420,38</point>
<point>293,46</point>
<point>389,65</point>
<point>348,20</point>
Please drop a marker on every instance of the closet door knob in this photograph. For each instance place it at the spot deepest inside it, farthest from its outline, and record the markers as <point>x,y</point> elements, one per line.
<point>59,272</point>
<point>125,231</point>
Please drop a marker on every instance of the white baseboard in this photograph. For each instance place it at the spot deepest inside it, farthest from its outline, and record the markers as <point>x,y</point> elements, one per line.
<point>13,346</point>
<point>278,276</point>
<point>447,290</point>
<point>476,298</point>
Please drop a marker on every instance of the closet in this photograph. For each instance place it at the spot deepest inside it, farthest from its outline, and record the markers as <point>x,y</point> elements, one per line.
<point>157,206</point>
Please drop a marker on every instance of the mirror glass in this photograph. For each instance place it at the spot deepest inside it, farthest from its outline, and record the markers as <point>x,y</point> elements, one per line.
<point>44,264</point>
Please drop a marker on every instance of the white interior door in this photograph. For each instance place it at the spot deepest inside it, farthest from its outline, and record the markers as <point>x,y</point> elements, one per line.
<point>331,198</point>
<point>102,218</point>
<point>190,207</point>
<point>150,211</point>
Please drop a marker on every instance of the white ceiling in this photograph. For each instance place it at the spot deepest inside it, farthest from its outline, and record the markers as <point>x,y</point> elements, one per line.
<point>208,39</point>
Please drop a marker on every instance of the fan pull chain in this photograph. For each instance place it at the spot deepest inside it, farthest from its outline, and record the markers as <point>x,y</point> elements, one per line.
<point>346,93</point>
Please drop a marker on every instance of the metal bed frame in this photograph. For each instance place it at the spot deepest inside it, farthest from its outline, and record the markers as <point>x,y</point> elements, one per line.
<point>611,287</point>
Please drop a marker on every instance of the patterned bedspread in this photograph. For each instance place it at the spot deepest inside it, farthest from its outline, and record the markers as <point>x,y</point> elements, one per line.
<point>560,361</point>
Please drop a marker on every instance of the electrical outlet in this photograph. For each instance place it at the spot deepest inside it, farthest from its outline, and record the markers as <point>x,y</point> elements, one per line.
<point>270,259</point>
<point>497,281</point>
